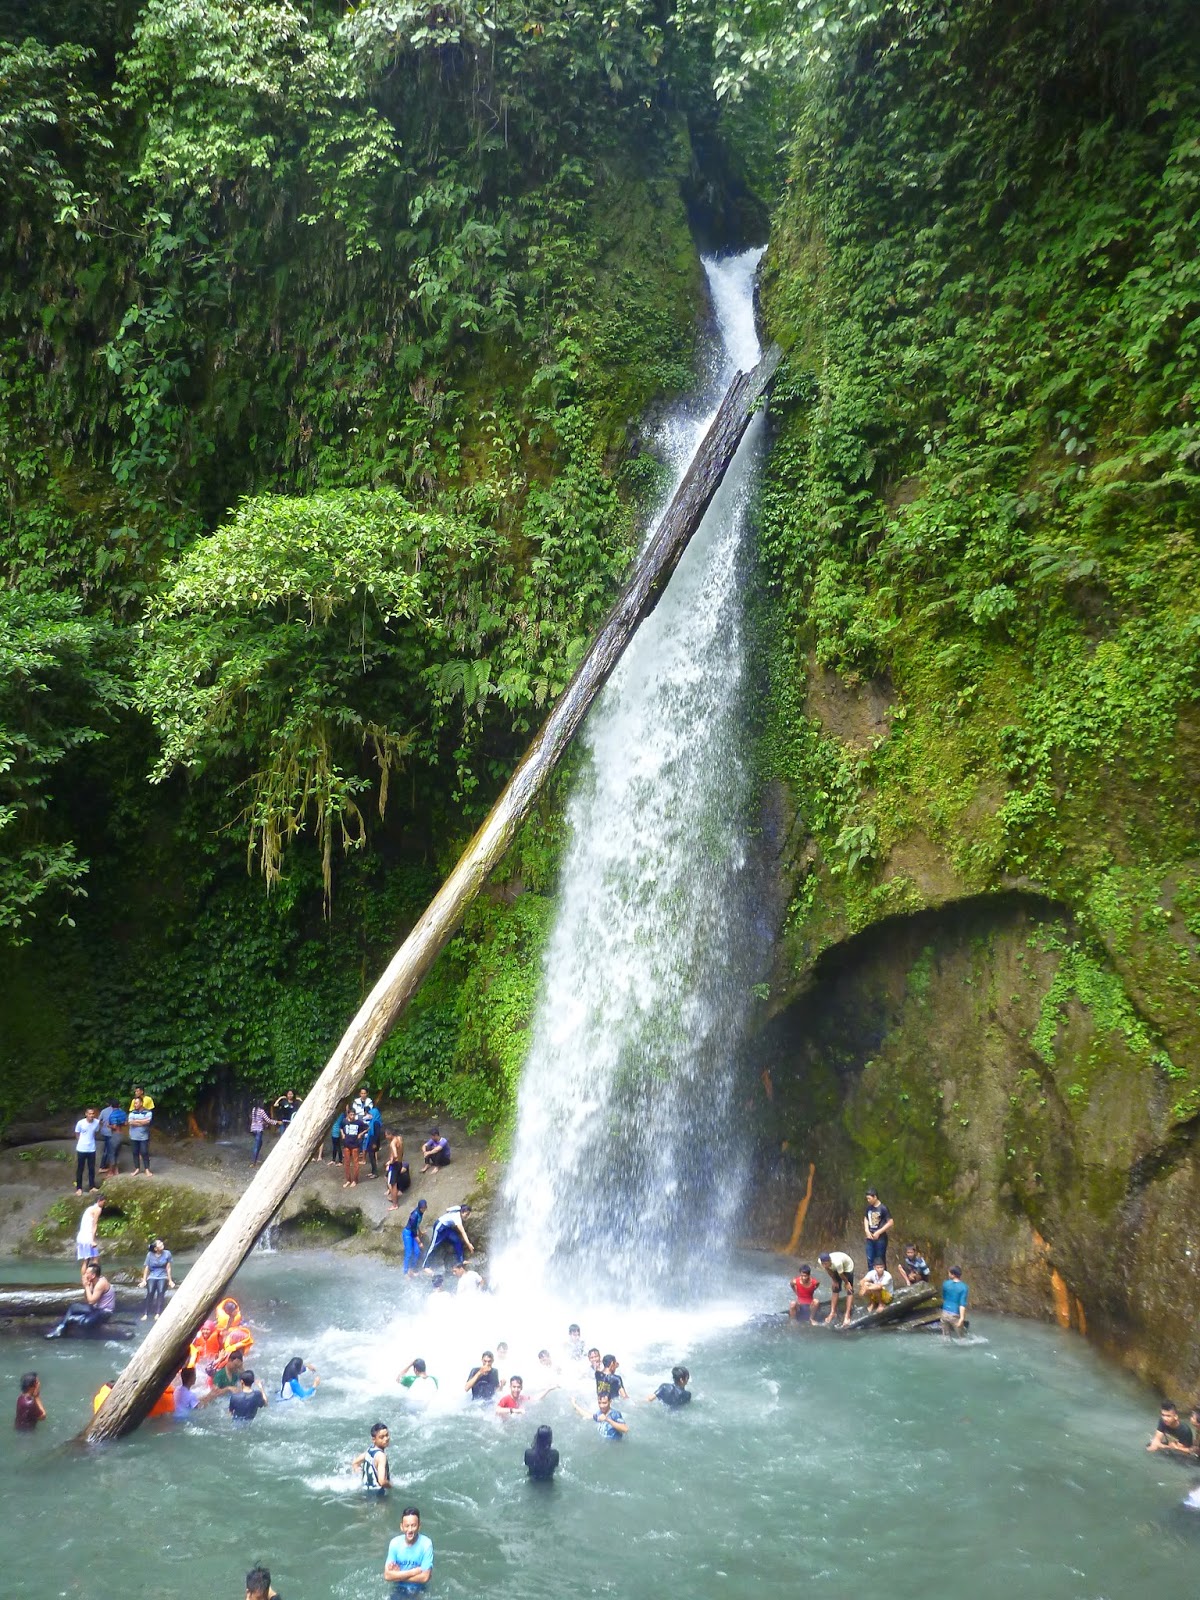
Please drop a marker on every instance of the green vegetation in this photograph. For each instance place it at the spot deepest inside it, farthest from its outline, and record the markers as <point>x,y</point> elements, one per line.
<point>980,517</point>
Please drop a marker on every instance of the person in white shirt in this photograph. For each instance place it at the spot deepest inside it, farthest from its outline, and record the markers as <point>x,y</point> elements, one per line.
<point>840,1268</point>
<point>87,1248</point>
<point>876,1287</point>
<point>86,1130</point>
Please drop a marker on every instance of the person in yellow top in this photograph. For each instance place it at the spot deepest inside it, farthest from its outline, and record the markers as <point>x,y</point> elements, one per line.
<point>147,1100</point>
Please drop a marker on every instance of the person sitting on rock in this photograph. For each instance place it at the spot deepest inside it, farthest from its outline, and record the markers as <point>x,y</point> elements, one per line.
<point>99,1303</point>
<point>914,1268</point>
<point>804,1287</point>
<point>876,1287</point>
<point>436,1151</point>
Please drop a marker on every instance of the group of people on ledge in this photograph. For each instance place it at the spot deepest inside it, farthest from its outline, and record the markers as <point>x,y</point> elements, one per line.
<point>877,1285</point>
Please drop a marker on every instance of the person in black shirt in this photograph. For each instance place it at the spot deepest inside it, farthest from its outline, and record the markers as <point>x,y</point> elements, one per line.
<point>483,1380</point>
<point>541,1460</point>
<point>1171,1434</point>
<point>608,1380</point>
<point>877,1224</point>
<point>675,1393</point>
<point>245,1403</point>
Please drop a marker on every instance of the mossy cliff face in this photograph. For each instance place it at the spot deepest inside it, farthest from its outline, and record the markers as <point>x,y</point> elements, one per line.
<point>979,529</point>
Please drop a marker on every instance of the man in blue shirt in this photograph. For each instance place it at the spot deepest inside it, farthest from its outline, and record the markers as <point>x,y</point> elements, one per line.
<point>409,1562</point>
<point>609,1423</point>
<point>954,1302</point>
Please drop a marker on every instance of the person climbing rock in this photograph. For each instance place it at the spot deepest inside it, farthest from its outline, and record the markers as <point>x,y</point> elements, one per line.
<point>449,1233</point>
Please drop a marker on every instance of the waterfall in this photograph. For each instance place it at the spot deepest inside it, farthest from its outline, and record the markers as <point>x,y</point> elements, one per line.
<point>624,1166</point>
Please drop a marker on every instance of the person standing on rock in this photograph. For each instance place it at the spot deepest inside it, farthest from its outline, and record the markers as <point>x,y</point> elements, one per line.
<point>86,1130</point>
<point>112,1121</point>
<point>397,1171</point>
<point>840,1268</point>
<point>877,1224</point>
<point>374,1137</point>
<point>156,1279</point>
<point>259,1123</point>
<point>87,1241</point>
<point>352,1137</point>
<point>141,1116</point>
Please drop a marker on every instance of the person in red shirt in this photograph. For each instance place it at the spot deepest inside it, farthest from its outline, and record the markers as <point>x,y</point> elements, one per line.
<point>804,1287</point>
<point>513,1403</point>
<point>30,1410</point>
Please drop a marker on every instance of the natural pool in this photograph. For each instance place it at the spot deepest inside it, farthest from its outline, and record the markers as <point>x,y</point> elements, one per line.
<point>893,1464</point>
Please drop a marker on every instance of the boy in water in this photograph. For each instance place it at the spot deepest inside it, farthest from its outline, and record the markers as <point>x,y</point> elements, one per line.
<point>373,1463</point>
<point>409,1562</point>
<point>610,1423</point>
<point>608,1380</point>
<point>30,1410</point>
<point>954,1303</point>
<point>675,1393</point>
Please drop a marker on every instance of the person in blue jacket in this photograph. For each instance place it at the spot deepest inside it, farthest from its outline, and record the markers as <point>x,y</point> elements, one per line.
<point>413,1239</point>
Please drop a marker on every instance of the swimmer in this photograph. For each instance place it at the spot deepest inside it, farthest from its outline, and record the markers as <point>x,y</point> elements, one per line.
<point>594,1361</point>
<point>575,1345</point>
<point>610,1423</point>
<point>541,1459</point>
<point>245,1403</point>
<point>675,1393</point>
<point>229,1376</point>
<point>373,1463</point>
<point>421,1385</point>
<point>840,1268</point>
<point>258,1585</point>
<point>30,1410</point>
<point>1171,1434</point>
<point>409,1562</point>
<point>186,1398</point>
<point>546,1361</point>
<point>804,1287</point>
<point>515,1401</point>
<point>469,1281</point>
<point>293,1385</point>
<point>483,1380</point>
<point>608,1380</point>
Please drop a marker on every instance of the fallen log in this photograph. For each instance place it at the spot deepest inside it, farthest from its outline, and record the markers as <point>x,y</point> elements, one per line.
<point>904,1305</point>
<point>159,1358</point>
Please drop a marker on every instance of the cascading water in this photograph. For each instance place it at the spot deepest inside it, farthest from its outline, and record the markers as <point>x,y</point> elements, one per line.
<point>624,1165</point>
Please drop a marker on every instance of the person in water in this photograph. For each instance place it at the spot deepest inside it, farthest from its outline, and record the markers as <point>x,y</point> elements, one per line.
<point>840,1268</point>
<point>575,1346</point>
<point>610,1424</point>
<point>186,1398</point>
<point>914,1268</point>
<point>30,1410</point>
<point>414,1238</point>
<point>1172,1434</point>
<point>876,1287</point>
<point>804,1287</point>
<point>156,1279</point>
<point>675,1393</point>
<point>258,1585</point>
<point>541,1459</point>
<point>99,1303</point>
<point>877,1224</point>
<point>450,1233</point>
<point>245,1403</point>
<point>409,1563</point>
<point>373,1463</point>
<point>229,1374</point>
<point>954,1303</point>
<point>436,1151</point>
<point>609,1381</point>
<point>483,1380</point>
<point>417,1380</point>
<point>294,1384</point>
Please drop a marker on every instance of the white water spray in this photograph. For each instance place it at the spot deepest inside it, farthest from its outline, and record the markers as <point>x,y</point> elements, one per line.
<point>623,1167</point>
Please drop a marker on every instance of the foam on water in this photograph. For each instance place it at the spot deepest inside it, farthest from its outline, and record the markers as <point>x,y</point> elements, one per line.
<point>624,1107</point>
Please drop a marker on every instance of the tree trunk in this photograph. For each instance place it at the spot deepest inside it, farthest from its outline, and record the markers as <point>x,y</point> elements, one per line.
<point>156,1362</point>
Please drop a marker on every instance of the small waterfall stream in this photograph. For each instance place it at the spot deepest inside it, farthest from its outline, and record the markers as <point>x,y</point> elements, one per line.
<point>624,1164</point>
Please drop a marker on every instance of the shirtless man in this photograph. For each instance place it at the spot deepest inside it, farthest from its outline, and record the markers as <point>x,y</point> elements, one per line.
<point>394,1162</point>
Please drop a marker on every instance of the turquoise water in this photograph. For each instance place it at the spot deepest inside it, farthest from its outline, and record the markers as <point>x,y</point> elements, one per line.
<point>1011,1465</point>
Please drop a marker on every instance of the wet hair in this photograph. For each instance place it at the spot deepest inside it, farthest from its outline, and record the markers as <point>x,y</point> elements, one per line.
<point>574,1328</point>
<point>418,1365</point>
<point>28,1380</point>
<point>487,1356</point>
<point>410,1511</point>
<point>379,1427</point>
<point>1168,1405</point>
<point>542,1353</point>
<point>680,1374</point>
<point>543,1439</point>
<point>439,1280</point>
<point>293,1370</point>
<point>610,1361</point>
<point>517,1378</point>
<point>594,1351</point>
<point>235,1355</point>
<point>258,1583</point>
<point>804,1267</point>
<point>187,1377</point>
<point>248,1375</point>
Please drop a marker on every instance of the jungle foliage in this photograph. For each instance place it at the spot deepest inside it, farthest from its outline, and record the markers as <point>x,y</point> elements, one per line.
<point>983,502</point>
<point>326,338</point>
